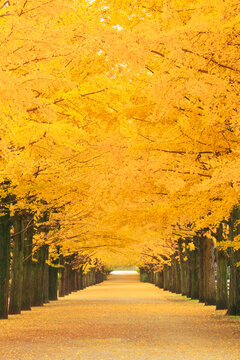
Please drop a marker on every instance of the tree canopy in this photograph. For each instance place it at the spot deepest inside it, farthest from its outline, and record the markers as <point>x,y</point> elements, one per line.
<point>120,120</point>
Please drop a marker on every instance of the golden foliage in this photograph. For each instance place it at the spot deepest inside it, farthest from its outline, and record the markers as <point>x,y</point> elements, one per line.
<point>121,119</point>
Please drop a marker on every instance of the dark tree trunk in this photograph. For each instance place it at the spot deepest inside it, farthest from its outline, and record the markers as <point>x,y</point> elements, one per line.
<point>183,273</point>
<point>178,277</point>
<point>27,264</point>
<point>222,287</point>
<point>53,282</point>
<point>188,264</point>
<point>234,293</point>
<point>78,280</point>
<point>81,278</point>
<point>93,276</point>
<point>46,277</point>
<point>69,275</point>
<point>61,277</point>
<point>4,264</point>
<point>195,271</point>
<point>151,276</point>
<point>232,289</point>
<point>174,276</point>
<point>17,266</point>
<point>66,279</point>
<point>201,270</point>
<point>88,278</point>
<point>222,261</point>
<point>98,276</point>
<point>84,281</point>
<point>74,281</point>
<point>165,277</point>
<point>38,277</point>
<point>161,279</point>
<point>158,279</point>
<point>170,272</point>
<point>209,259</point>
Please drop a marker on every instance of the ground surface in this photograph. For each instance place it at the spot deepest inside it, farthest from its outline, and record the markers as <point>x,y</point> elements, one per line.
<point>121,319</point>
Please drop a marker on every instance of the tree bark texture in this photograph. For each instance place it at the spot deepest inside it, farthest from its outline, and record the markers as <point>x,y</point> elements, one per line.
<point>17,266</point>
<point>4,264</point>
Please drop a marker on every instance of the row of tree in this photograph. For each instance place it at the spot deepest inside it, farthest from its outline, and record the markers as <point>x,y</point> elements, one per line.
<point>204,266</point>
<point>120,121</point>
<point>36,277</point>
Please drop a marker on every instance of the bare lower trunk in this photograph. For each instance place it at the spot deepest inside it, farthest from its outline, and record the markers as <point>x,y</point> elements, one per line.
<point>234,293</point>
<point>27,264</point>
<point>195,271</point>
<point>46,278</point>
<point>222,289</point>
<point>38,277</point>
<point>53,282</point>
<point>17,266</point>
<point>210,289</point>
<point>165,277</point>
<point>201,270</point>
<point>4,264</point>
<point>61,278</point>
<point>183,274</point>
<point>222,261</point>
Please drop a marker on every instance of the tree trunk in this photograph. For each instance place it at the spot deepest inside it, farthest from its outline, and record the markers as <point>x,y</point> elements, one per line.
<point>209,257</point>
<point>174,276</point>
<point>27,264</point>
<point>201,270</point>
<point>94,276</point>
<point>69,282</point>
<point>195,270</point>
<point>156,278</point>
<point>38,277</point>
<point>4,264</point>
<point>74,280</point>
<point>17,266</point>
<point>46,278</point>
<point>169,275</point>
<point>195,275</point>
<point>232,288</point>
<point>67,272</point>
<point>222,286</point>
<point>165,277</point>
<point>88,278</point>
<point>81,278</point>
<point>61,277</point>
<point>234,293</point>
<point>151,276</point>
<point>66,279</point>
<point>84,280</point>
<point>178,277</point>
<point>53,282</point>
<point>188,265</point>
<point>78,279</point>
<point>183,274</point>
<point>161,279</point>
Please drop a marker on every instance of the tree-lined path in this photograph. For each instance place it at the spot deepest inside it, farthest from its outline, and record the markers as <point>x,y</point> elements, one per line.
<point>121,319</point>
<point>119,148</point>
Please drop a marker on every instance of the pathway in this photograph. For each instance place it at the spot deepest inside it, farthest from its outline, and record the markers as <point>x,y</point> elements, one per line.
<point>121,319</point>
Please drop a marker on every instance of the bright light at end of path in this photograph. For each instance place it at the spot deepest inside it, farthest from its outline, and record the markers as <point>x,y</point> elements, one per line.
<point>124,272</point>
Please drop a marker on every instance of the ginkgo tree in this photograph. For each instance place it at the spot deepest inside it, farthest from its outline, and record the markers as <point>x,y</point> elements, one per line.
<point>119,143</point>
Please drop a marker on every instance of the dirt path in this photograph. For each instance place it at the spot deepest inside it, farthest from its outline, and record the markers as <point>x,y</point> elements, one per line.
<point>121,319</point>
